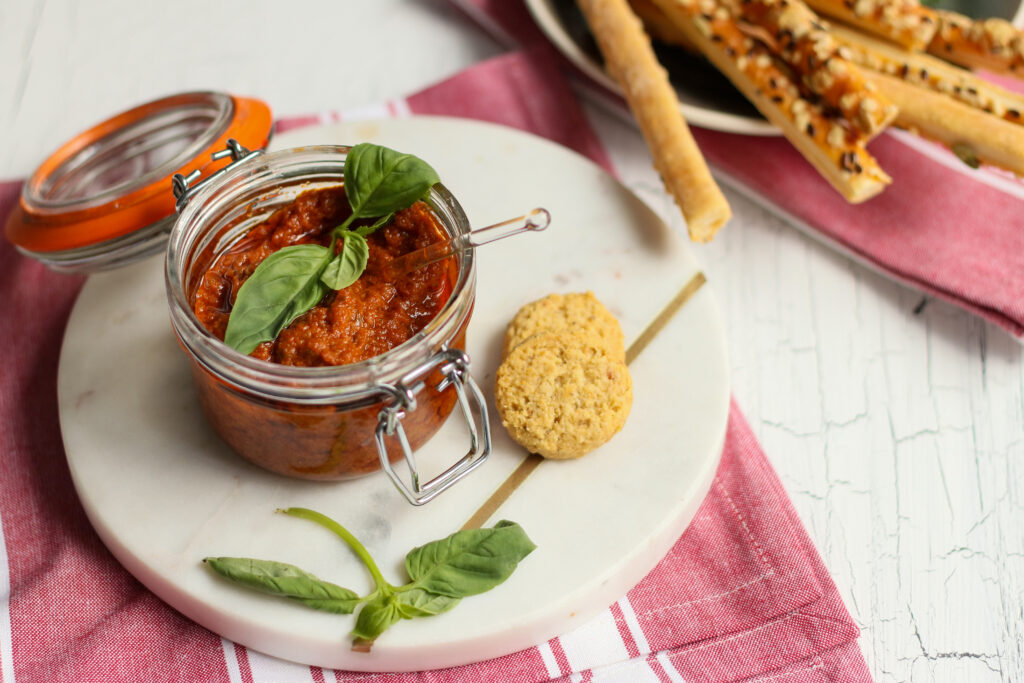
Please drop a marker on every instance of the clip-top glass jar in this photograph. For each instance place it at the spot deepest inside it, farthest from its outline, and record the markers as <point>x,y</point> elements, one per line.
<point>103,199</point>
<point>333,422</point>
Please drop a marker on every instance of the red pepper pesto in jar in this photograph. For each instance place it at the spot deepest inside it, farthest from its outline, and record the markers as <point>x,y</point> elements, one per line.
<point>369,317</point>
<point>373,315</point>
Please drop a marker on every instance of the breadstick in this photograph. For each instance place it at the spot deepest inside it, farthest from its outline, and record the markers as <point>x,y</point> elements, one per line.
<point>836,150</point>
<point>792,31</point>
<point>631,61</point>
<point>992,44</point>
<point>904,22</point>
<point>974,135</point>
<point>928,72</point>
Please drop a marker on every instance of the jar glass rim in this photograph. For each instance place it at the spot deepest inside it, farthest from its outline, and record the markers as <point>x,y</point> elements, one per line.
<point>162,135</point>
<point>316,385</point>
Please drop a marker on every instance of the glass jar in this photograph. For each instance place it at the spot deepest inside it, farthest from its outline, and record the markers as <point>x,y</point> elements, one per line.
<point>334,422</point>
<point>103,199</point>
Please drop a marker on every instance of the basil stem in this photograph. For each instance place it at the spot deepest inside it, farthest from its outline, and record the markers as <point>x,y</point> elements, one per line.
<point>343,533</point>
<point>368,230</point>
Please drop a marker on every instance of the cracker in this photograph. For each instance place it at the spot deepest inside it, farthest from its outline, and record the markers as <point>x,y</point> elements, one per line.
<point>581,313</point>
<point>563,394</point>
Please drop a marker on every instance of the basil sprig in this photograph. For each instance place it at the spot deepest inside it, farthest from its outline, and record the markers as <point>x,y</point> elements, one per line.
<point>378,182</point>
<point>441,573</point>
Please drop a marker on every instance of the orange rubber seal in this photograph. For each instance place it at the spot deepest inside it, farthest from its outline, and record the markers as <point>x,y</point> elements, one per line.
<point>46,230</point>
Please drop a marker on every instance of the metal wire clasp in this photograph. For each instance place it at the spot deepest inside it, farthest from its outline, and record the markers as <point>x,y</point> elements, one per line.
<point>182,185</point>
<point>454,366</point>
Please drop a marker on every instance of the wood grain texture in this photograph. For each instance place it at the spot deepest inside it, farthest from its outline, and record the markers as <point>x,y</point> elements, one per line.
<point>899,436</point>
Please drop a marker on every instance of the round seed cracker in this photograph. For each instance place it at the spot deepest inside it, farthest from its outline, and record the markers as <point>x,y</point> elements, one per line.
<point>582,313</point>
<point>563,394</point>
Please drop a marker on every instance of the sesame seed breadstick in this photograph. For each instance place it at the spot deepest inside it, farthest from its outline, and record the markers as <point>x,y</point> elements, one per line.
<point>631,61</point>
<point>931,73</point>
<point>793,32</point>
<point>904,22</point>
<point>992,44</point>
<point>974,135</point>
<point>834,148</point>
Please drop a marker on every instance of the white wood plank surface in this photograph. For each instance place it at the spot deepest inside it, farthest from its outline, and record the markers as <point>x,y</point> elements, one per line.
<point>899,436</point>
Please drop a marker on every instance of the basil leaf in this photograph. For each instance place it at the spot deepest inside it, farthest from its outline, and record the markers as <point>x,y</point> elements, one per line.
<point>283,287</point>
<point>278,578</point>
<point>368,230</point>
<point>470,561</point>
<point>379,180</point>
<point>420,603</point>
<point>346,267</point>
<point>375,617</point>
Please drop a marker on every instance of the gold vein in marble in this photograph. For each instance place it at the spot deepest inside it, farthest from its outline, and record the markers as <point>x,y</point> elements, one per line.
<point>532,460</point>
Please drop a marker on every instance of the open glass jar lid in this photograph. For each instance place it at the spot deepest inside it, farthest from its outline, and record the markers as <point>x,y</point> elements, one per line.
<point>104,198</point>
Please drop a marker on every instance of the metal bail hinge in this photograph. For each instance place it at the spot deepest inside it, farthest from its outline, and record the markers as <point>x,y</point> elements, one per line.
<point>454,366</point>
<point>182,185</point>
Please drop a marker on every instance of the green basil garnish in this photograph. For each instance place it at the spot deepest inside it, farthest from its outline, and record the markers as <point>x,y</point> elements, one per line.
<point>278,578</point>
<point>468,562</point>
<point>377,615</point>
<point>368,230</point>
<point>417,602</point>
<point>378,182</point>
<point>346,267</point>
<point>441,573</point>
<point>283,287</point>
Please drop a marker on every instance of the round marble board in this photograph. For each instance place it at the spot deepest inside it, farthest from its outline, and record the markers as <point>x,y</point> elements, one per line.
<point>163,492</point>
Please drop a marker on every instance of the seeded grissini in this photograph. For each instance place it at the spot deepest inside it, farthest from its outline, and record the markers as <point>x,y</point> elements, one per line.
<point>974,135</point>
<point>929,72</point>
<point>827,141</point>
<point>992,44</point>
<point>794,33</point>
<point>979,121</point>
<point>631,61</point>
<point>904,22</point>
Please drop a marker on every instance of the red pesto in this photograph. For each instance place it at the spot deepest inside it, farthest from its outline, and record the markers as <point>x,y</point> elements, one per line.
<point>369,317</point>
<point>363,320</point>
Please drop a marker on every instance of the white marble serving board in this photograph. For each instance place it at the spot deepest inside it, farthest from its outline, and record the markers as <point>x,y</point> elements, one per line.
<point>163,492</point>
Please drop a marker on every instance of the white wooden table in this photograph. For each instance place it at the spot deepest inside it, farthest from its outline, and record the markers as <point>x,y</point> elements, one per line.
<point>899,435</point>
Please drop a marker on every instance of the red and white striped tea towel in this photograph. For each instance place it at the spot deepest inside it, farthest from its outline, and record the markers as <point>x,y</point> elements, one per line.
<point>742,594</point>
<point>941,227</point>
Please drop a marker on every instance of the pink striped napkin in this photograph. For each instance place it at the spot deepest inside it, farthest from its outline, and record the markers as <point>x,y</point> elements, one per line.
<point>742,594</point>
<point>941,227</point>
